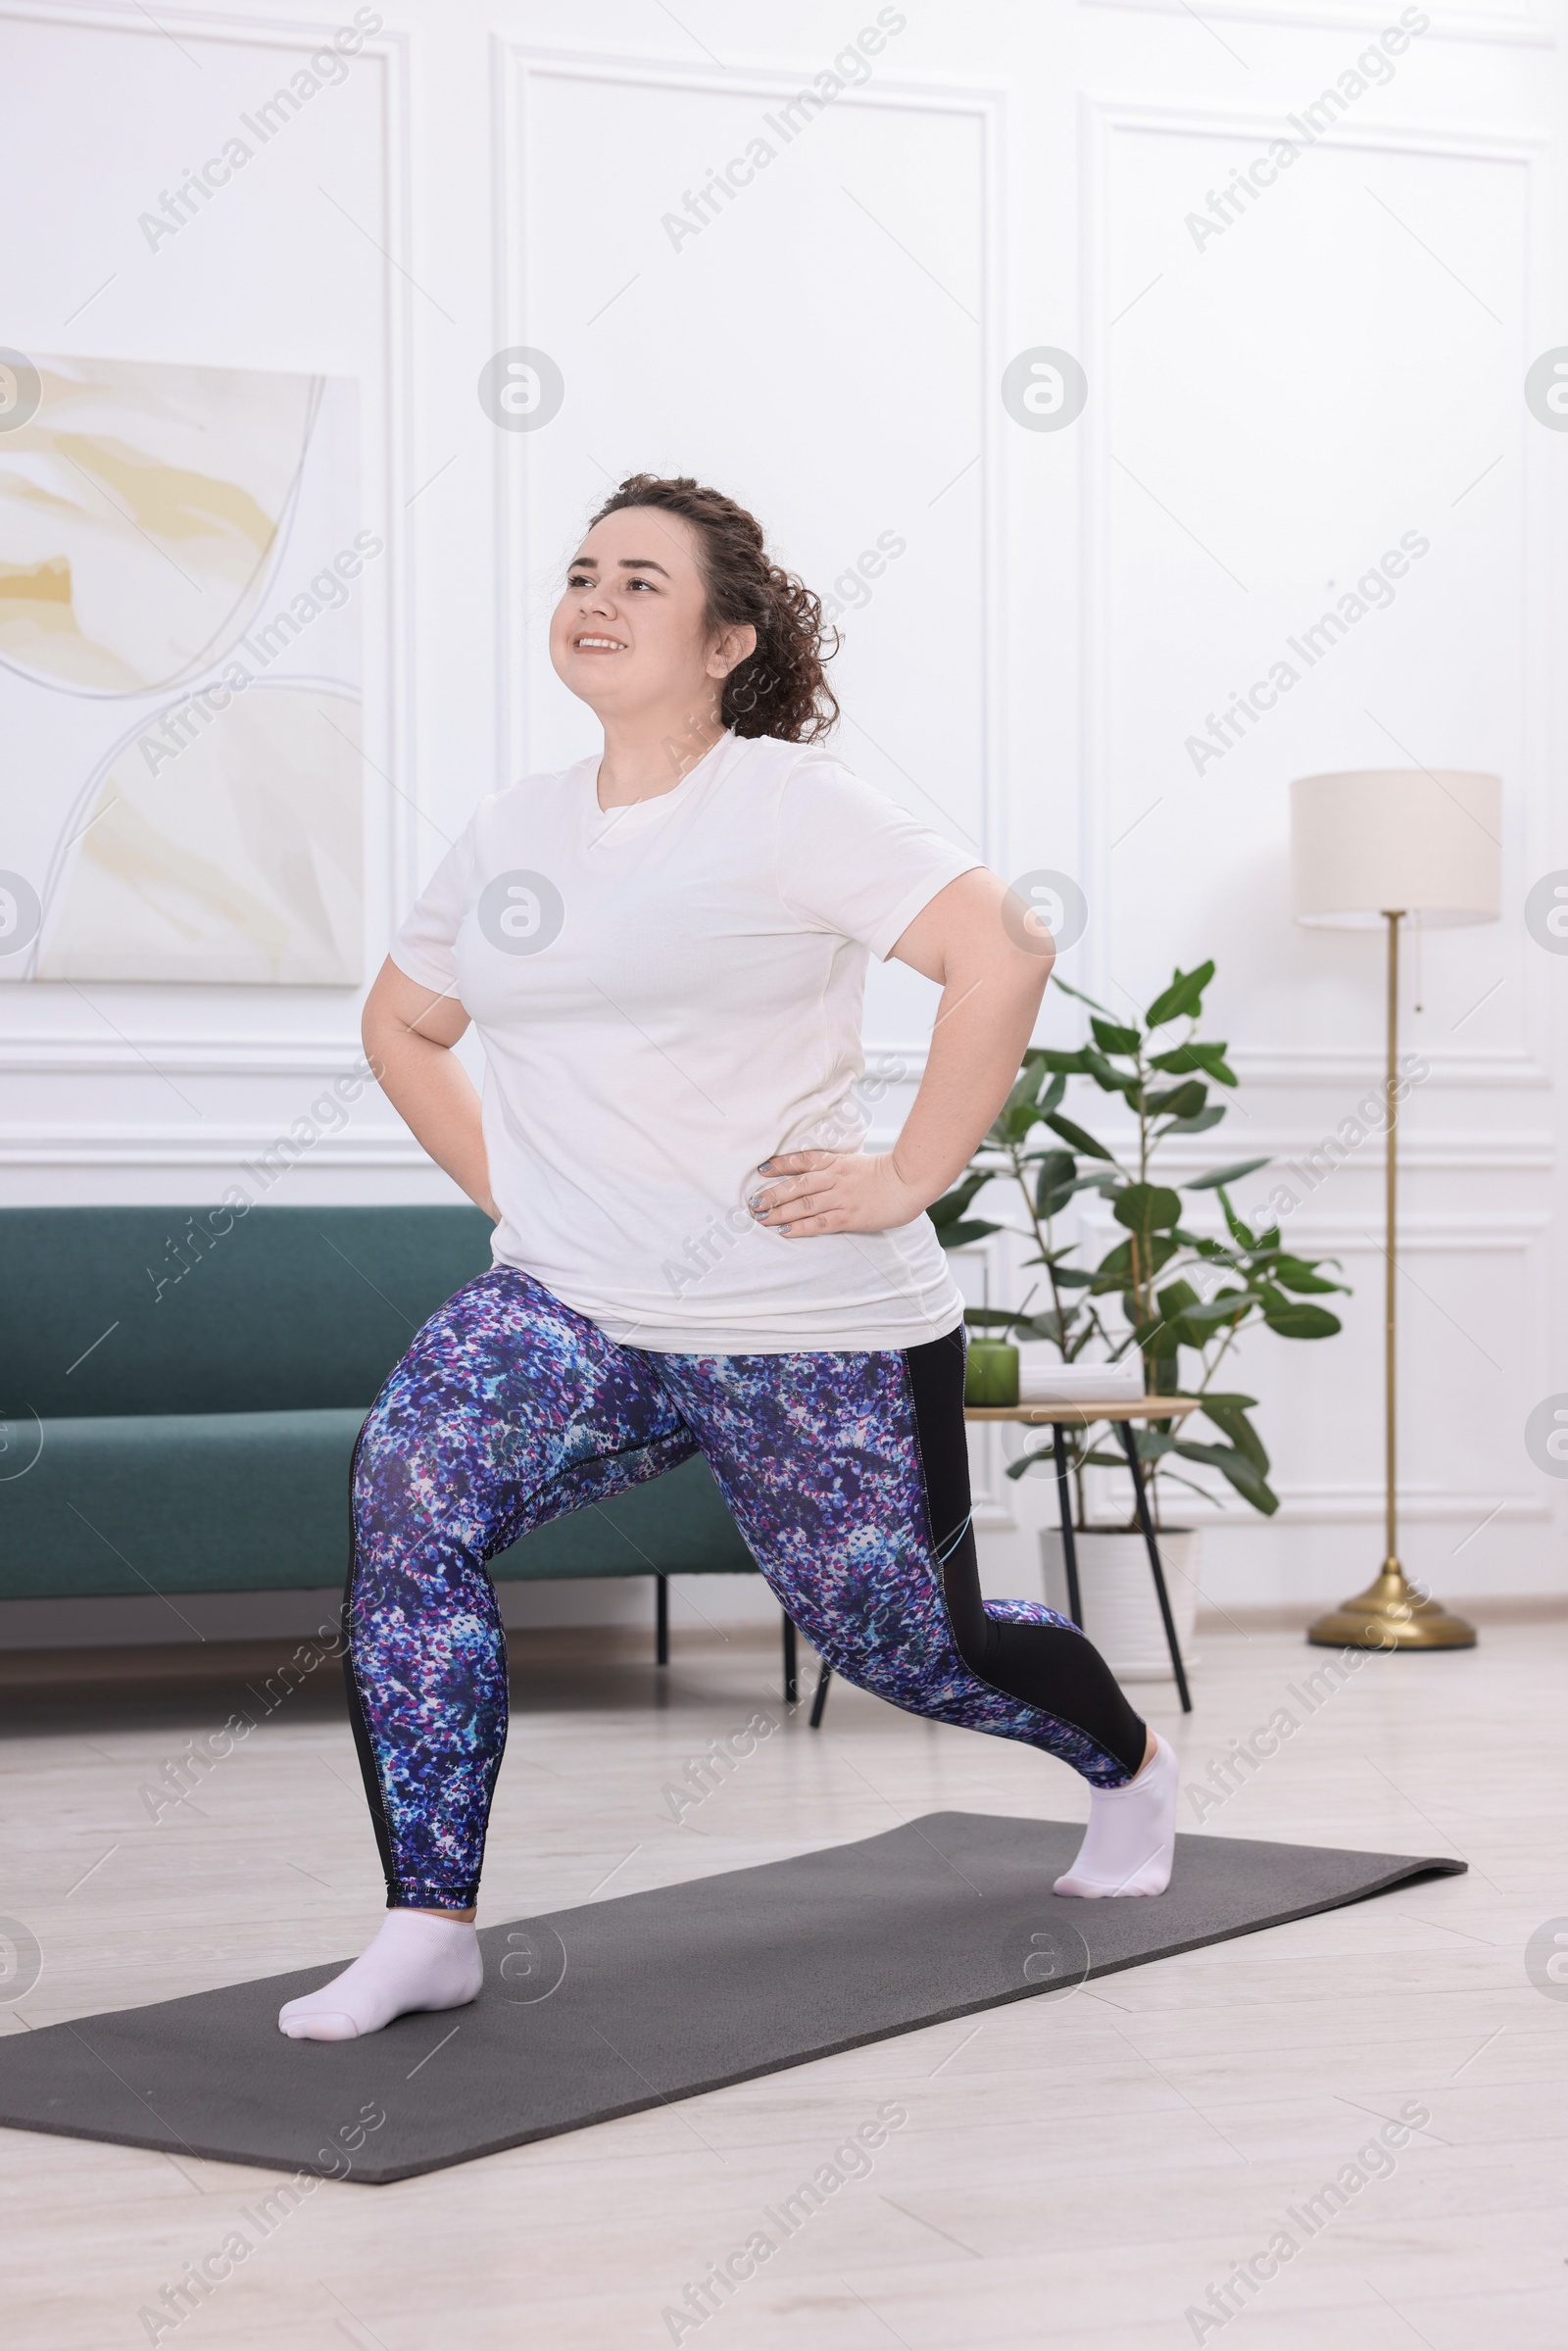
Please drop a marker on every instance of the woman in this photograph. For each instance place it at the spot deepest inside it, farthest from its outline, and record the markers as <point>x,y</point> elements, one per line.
<point>664,950</point>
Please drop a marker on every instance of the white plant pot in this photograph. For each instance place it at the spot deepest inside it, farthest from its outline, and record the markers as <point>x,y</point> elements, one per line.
<point>1120,1611</point>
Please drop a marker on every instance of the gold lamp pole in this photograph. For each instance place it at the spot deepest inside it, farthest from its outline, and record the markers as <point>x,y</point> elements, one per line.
<point>1372,848</point>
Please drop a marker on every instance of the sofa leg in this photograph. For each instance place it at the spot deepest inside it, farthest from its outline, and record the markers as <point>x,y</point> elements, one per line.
<point>661,1620</point>
<point>824,1677</point>
<point>792,1677</point>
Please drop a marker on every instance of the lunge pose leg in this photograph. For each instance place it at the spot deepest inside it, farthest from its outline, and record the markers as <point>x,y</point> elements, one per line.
<point>849,1476</point>
<point>507,1409</point>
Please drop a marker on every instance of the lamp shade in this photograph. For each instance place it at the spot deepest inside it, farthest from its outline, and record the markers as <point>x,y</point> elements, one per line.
<point>1396,839</point>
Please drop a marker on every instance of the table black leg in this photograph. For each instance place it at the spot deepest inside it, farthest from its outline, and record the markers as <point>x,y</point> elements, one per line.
<point>792,1677</point>
<point>1129,1445</point>
<point>824,1677</point>
<point>1070,1551</point>
<point>661,1620</point>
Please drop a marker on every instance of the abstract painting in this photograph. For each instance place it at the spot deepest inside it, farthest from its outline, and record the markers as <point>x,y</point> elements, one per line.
<point>181,576</point>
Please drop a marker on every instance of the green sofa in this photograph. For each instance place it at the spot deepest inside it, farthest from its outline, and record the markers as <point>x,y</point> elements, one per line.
<point>182,1388</point>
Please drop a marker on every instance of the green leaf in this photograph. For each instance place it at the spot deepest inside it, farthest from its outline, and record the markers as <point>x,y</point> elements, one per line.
<point>1077,994</point>
<point>1175,1299</point>
<point>960,1236</point>
<point>1054,1168</point>
<point>1152,1443</point>
<point>1047,1326</point>
<point>1235,1425</point>
<point>1071,1277</point>
<point>1114,1269</point>
<point>1234,1464</point>
<point>1075,1135</point>
<point>1177,1101</point>
<point>1185,994</point>
<point>1107,1079</point>
<point>1051,1058</point>
<point>1229,1305</point>
<point>1295,1273</point>
<point>1239,1232</point>
<point>1054,1182</point>
<point>1022,1109</point>
<point>1209,1059</point>
<point>1113,1038</point>
<point>1302,1322</point>
<point>1146,1208</point>
<point>951,1206</point>
<point>1199,1125</point>
<point>1223,1175</point>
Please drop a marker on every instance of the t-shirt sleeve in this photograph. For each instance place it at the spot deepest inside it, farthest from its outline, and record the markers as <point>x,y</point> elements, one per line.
<point>422,944</point>
<point>850,860</point>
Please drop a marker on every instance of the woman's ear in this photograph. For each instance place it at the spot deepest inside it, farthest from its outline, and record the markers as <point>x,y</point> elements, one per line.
<point>735,645</point>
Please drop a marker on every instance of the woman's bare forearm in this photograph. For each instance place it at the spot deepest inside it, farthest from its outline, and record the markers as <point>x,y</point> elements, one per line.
<point>983,1025</point>
<point>426,1083</point>
<point>432,1093</point>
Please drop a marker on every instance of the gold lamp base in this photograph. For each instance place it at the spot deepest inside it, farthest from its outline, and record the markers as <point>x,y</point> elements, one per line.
<point>1392,1615</point>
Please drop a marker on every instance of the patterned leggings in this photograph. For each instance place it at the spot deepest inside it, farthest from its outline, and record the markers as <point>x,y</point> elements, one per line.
<point>845,1472</point>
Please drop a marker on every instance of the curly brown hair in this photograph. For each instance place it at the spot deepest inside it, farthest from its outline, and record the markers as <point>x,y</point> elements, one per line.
<point>780,689</point>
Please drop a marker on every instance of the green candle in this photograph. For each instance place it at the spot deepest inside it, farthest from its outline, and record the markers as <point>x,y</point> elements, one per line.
<point>991,1375</point>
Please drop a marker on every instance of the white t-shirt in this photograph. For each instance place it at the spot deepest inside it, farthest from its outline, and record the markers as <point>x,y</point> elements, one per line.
<point>669,994</point>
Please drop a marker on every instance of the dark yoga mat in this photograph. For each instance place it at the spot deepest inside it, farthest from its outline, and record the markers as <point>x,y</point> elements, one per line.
<point>650,1997</point>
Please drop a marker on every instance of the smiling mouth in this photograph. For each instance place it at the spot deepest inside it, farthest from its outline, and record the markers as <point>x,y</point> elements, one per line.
<point>598,645</point>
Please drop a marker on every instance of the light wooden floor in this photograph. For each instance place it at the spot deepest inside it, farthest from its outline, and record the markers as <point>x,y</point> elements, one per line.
<point>1073,2172</point>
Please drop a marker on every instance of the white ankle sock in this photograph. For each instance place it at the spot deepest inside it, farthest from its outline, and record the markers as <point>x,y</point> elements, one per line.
<point>417,1960</point>
<point>1131,1836</point>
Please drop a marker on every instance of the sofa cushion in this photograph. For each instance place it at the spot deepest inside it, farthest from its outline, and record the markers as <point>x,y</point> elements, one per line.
<point>159,1310</point>
<point>248,1502</point>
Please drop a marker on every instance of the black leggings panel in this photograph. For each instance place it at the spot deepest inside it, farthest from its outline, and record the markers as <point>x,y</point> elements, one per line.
<point>1051,1666</point>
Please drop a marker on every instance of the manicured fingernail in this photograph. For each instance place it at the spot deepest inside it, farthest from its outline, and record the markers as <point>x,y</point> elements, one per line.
<point>762,1165</point>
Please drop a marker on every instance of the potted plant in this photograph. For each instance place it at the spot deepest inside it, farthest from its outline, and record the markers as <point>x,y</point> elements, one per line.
<point>1183,1297</point>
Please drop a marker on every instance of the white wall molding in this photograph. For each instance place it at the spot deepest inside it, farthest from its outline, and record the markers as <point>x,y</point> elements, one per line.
<point>172,1142</point>
<point>1456,1151</point>
<point>1519,28</point>
<point>1308,1066</point>
<point>1333,1506</point>
<point>1108,112</point>
<point>217,1145</point>
<point>44,1054</point>
<point>1418,1236</point>
<point>1302,1068</point>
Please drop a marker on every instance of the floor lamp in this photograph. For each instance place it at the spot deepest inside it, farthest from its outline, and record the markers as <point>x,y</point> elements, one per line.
<point>1381,847</point>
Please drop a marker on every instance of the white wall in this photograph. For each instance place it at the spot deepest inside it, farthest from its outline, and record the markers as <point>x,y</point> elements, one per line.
<point>1268,410</point>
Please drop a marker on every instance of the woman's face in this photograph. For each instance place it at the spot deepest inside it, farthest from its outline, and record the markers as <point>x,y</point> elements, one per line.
<point>628,633</point>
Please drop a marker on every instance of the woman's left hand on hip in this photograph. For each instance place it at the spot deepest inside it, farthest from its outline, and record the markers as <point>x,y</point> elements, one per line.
<point>832,1192</point>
